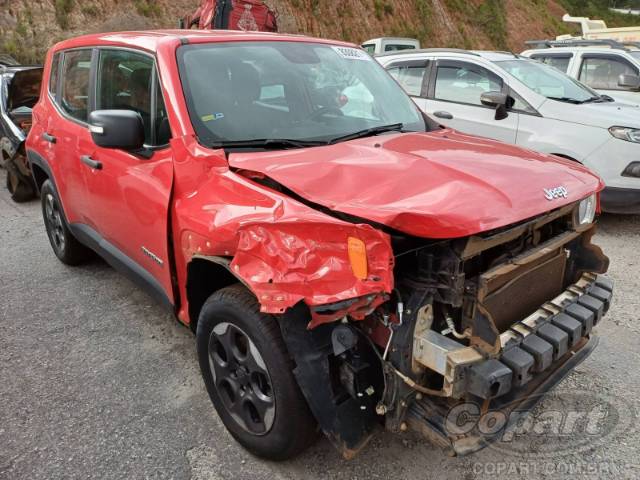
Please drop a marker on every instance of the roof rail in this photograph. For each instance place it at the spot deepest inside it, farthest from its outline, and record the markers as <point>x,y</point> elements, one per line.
<point>426,50</point>
<point>578,42</point>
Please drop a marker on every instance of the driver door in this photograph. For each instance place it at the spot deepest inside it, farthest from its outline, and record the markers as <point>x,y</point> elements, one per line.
<point>128,192</point>
<point>453,99</point>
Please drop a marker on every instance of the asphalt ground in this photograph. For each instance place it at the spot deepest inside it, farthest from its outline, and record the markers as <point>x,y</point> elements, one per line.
<point>96,381</point>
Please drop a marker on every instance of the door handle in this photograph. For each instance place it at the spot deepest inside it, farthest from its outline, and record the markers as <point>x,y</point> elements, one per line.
<point>87,160</point>
<point>443,114</point>
<point>48,138</point>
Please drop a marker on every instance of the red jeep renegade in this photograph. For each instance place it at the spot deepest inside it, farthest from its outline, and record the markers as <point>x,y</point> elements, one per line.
<point>345,263</point>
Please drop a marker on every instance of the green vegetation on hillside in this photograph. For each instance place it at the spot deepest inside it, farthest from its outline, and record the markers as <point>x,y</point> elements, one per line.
<point>63,9</point>
<point>490,15</point>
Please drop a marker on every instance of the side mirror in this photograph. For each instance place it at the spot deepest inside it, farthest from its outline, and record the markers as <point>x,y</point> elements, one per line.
<point>501,101</point>
<point>122,129</point>
<point>632,82</point>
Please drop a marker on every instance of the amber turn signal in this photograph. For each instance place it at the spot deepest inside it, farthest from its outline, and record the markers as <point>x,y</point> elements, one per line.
<point>357,257</point>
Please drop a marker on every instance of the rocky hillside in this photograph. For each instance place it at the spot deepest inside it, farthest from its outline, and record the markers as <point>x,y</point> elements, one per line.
<point>29,27</point>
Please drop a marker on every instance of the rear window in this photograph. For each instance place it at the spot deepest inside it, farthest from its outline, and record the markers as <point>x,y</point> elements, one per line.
<point>74,98</point>
<point>395,47</point>
<point>53,77</point>
<point>25,88</point>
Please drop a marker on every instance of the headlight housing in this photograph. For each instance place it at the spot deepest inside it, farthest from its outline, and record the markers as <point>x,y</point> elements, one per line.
<point>625,133</point>
<point>586,211</point>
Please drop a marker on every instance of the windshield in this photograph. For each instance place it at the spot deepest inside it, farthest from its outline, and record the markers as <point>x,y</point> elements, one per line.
<point>548,81</point>
<point>243,91</point>
<point>636,54</point>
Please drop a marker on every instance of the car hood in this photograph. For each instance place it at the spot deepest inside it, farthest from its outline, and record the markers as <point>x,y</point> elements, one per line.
<point>604,115</point>
<point>442,184</point>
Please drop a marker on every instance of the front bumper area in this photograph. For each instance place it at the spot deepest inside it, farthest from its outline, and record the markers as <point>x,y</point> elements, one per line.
<point>536,354</point>
<point>431,418</point>
<point>620,200</point>
<point>529,348</point>
<point>532,346</point>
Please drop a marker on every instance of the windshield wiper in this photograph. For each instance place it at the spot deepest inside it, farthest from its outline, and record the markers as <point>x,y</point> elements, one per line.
<point>567,100</point>
<point>267,143</point>
<point>599,99</point>
<point>368,132</point>
<point>575,101</point>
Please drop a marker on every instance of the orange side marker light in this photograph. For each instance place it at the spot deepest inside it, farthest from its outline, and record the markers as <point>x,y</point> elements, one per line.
<point>357,257</point>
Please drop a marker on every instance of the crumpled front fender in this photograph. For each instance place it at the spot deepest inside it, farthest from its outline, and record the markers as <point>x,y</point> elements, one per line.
<point>285,263</point>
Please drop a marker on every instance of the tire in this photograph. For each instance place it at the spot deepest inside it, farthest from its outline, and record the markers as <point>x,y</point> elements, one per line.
<point>20,190</point>
<point>66,247</point>
<point>249,376</point>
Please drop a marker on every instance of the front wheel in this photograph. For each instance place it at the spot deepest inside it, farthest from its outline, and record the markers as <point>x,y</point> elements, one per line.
<point>249,376</point>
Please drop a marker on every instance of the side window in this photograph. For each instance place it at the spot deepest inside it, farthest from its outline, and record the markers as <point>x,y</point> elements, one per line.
<point>465,83</point>
<point>75,83</point>
<point>602,73</point>
<point>124,83</point>
<point>410,77</point>
<point>53,76</point>
<point>559,62</point>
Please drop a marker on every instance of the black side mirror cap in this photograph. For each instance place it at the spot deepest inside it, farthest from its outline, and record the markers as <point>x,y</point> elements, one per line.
<point>501,101</point>
<point>494,99</point>
<point>632,82</point>
<point>123,129</point>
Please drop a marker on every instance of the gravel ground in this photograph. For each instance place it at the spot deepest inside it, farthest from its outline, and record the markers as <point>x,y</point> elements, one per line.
<point>98,382</point>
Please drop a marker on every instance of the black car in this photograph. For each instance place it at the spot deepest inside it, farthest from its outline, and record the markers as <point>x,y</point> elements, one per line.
<point>19,92</point>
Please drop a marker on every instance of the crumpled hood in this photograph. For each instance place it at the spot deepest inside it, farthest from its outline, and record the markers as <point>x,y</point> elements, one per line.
<point>442,184</point>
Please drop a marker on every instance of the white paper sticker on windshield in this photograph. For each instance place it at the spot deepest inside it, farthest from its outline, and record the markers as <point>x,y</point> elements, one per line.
<point>352,53</point>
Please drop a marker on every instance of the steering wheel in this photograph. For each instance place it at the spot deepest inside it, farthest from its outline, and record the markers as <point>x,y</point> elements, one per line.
<point>323,111</point>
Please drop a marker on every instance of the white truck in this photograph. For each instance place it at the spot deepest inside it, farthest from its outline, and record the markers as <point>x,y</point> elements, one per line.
<point>597,30</point>
<point>376,46</point>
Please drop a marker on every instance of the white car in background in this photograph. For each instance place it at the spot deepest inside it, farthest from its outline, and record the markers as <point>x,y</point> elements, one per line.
<point>610,67</point>
<point>521,101</point>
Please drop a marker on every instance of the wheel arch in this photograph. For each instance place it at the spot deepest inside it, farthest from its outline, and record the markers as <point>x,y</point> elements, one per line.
<point>39,169</point>
<point>205,276</point>
<point>39,176</point>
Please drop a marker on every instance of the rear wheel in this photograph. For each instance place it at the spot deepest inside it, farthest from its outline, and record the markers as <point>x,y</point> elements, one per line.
<point>249,376</point>
<point>66,247</point>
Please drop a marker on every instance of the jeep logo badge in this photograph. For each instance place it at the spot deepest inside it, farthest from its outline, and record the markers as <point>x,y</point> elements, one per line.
<point>557,192</point>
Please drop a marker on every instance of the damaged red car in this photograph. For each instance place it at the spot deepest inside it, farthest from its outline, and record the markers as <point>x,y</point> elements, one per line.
<point>346,264</point>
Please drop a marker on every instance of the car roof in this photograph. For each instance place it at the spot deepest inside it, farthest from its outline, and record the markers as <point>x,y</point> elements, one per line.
<point>151,40</point>
<point>492,56</point>
<point>495,56</point>
<point>403,39</point>
<point>598,49</point>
